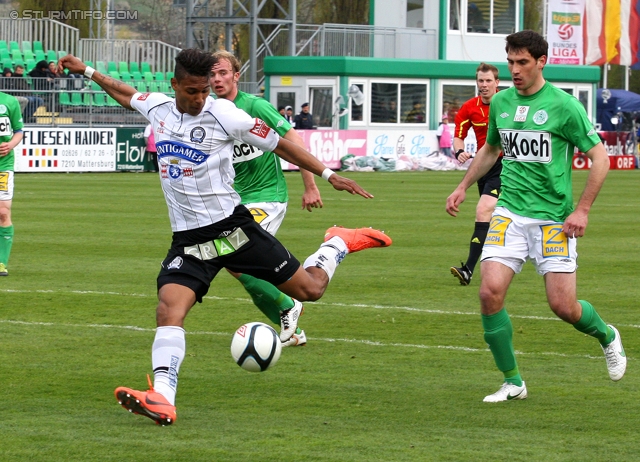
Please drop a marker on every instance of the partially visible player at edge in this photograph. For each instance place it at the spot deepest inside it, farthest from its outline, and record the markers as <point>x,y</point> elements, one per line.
<point>262,187</point>
<point>211,229</point>
<point>474,113</point>
<point>11,125</point>
<point>539,126</point>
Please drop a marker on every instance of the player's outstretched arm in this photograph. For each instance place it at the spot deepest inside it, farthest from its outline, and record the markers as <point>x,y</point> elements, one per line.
<point>303,159</point>
<point>118,90</point>
<point>311,196</point>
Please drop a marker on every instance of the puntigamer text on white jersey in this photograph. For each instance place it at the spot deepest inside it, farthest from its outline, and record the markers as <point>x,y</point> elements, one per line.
<point>195,155</point>
<point>526,145</point>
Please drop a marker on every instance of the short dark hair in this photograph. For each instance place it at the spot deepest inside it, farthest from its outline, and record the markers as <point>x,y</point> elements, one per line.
<point>484,67</point>
<point>528,40</point>
<point>192,61</point>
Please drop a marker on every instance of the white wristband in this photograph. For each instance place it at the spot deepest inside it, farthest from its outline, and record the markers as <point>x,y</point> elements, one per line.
<point>327,173</point>
<point>88,72</point>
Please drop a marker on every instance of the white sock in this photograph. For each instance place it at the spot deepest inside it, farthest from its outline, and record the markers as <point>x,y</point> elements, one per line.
<point>167,353</point>
<point>328,256</point>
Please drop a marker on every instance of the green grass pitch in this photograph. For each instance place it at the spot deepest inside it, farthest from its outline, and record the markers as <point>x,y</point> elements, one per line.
<point>395,368</point>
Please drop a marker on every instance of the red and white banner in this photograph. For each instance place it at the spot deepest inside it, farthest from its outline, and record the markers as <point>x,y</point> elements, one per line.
<point>612,32</point>
<point>565,31</point>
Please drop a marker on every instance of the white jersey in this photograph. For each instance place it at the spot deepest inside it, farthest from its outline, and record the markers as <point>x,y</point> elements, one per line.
<point>195,155</point>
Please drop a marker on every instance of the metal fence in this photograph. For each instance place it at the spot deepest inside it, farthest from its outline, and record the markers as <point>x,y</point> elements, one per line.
<point>75,101</point>
<point>159,55</point>
<point>52,34</point>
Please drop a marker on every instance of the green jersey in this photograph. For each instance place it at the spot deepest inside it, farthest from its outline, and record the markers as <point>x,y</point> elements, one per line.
<point>10,122</point>
<point>259,176</point>
<point>538,134</point>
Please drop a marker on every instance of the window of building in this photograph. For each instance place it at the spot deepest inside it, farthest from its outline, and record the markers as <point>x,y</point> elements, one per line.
<point>413,103</point>
<point>384,102</point>
<point>454,95</point>
<point>415,13</point>
<point>321,105</point>
<point>356,110</point>
<point>483,16</point>
<point>286,99</point>
<point>404,103</point>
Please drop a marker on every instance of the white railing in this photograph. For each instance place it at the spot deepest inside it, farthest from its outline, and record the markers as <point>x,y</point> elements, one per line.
<point>54,35</point>
<point>159,55</point>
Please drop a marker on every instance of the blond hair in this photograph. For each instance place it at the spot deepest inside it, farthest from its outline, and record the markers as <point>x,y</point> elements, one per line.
<point>224,54</point>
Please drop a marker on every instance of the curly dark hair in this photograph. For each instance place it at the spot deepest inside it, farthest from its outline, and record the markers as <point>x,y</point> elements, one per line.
<point>192,61</point>
<point>528,40</point>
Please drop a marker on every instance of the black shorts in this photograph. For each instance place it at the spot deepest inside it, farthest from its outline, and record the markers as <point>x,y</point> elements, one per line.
<point>237,243</point>
<point>490,183</point>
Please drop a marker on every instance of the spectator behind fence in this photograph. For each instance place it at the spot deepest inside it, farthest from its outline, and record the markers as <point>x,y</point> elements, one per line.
<point>304,120</point>
<point>43,82</point>
<point>24,91</point>
<point>7,84</point>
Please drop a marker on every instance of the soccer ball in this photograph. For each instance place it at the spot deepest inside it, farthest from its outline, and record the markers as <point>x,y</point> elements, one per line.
<point>256,347</point>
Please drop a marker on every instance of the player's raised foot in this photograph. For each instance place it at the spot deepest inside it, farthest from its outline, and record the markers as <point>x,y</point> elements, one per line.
<point>147,403</point>
<point>463,274</point>
<point>3,270</point>
<point>289,320</point>
<point>297,339</point>
<point>615,356</point>
<point>360,238</point>
<point>507,392</point>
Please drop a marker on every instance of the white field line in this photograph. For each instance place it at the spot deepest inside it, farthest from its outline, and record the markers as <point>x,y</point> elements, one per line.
<point>329,340</point>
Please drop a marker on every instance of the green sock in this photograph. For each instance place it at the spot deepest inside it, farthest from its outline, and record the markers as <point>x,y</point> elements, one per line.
<point>266,297</point>
<point>6,240</point>
<point>591,323</point>
<point>498,333</point>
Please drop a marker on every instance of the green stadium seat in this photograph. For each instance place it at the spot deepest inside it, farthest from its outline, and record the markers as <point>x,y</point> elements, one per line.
<point>17,55</point>
<point>65,99</point>
<point>133,67</point>
<point>153,87</point>
<point>112,102</point>
<point>19,62</point>
<point>29,64</point>
<point>37,46</point>
<point>164,86</point>
<point>3,45</point>
<point>86,99</point>
<point>115,74</point>
<point>141,86</point>
<point>26,46</point>
<point>95,86</point>
<point>4,54</point>
<point>159,76</point>
<point>123,67</point>
<point>89,63</point>
<point>51,55</point>
<point>168,75</point>
<point>111,66</point>
<point>125,75</point>
<point>76,98</point>
<point>6,62</point>
<point>39,55</point>
<point>136,75</point>
<point>28,54</point>
<point>13,45</point>
<point>61,54</point>
<point>144,67</point>
<point>101,67</point>
<point>148,76</point>
<point>100,99</point>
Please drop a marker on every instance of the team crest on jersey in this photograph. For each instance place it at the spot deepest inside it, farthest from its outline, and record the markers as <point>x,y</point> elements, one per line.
<point>540,117</point>
<point>197,135</point>
<point>143,96</point>
<point>3,108</point>
<point>521,114</point>
<point>260,129</point>
<point>175,173</point>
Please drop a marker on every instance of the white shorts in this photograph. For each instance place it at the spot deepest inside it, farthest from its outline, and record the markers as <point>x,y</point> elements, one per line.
<point>6,186</point>
<point>269,215</point>
<point>513,239</point>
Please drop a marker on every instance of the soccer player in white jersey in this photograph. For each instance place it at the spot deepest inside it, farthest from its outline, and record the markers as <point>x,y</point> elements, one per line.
<point>538,126</point>
<point>194,137</point>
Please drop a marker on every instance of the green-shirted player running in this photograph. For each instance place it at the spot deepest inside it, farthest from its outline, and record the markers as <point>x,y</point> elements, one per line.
<point>263,189</point>
<point>538,126</point>
<point>10,136</point>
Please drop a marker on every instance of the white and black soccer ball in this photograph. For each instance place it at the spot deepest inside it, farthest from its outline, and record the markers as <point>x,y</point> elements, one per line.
<point>256,347</point>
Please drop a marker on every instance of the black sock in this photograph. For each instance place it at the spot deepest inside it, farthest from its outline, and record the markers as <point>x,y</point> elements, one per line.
<point>477,241</point>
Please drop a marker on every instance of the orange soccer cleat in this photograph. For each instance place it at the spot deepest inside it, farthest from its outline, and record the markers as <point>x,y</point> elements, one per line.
<point>360,238</point>
<point>147,403</point>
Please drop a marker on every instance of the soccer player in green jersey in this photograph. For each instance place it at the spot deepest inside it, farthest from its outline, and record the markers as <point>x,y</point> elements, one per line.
<point>263,189</point>
<point>10,136</point>
<point>538,126</point>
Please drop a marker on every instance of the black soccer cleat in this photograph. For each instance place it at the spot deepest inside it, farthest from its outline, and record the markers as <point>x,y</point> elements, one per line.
<point>463,274</point>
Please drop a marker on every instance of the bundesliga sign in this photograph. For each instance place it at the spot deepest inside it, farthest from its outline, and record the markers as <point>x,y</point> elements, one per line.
<point>564,31</point>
